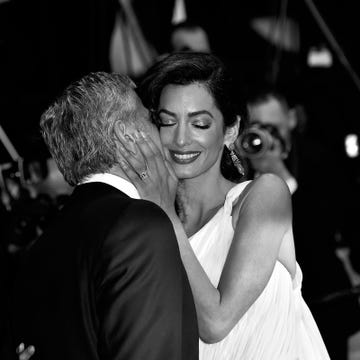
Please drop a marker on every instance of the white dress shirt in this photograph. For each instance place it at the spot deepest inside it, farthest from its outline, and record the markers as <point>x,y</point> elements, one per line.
<point>116,181</point>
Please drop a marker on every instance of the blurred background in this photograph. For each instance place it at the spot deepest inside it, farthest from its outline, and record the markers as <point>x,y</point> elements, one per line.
<point>307,47</point>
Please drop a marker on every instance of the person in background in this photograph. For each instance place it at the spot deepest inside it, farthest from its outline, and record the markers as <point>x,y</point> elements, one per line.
<point>270,112</point>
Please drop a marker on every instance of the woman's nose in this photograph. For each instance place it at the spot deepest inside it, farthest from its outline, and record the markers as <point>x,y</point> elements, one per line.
<point>182,136</point>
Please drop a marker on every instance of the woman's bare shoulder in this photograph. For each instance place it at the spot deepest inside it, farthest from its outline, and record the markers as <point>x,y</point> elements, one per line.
<point>269,187</point>
<point>267,193</point>
<point>267,182</point>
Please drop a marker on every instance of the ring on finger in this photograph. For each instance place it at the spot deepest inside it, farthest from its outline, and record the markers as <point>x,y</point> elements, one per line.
<point>143,175</point>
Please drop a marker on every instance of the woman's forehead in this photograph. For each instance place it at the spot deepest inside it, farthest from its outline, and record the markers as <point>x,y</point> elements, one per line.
<point>194,93</point>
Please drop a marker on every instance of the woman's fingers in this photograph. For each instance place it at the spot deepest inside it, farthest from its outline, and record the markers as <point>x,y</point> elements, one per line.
<point>139,180</point>
<point>149,142</point>
<point>144,164</point>
<point>153,182</point>
<point>133,175</point>
<point>141,153</point>
<point>151,152</point>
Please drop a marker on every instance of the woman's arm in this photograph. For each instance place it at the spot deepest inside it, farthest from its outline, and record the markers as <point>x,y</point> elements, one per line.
<point>262,218</point>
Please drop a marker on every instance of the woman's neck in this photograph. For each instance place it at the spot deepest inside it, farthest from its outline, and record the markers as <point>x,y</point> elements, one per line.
<point>199,198</point>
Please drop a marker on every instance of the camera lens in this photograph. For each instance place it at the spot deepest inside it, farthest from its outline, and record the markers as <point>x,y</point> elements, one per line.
<point>254,142</point>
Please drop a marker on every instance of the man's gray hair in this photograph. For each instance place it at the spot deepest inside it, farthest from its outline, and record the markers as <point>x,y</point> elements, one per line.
<point>78,127</point>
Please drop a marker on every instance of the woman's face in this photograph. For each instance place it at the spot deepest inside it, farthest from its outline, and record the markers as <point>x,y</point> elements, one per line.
<point>191,130</point>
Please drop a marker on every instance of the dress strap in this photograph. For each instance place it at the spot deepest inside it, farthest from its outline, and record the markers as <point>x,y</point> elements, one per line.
<point>233,194</point>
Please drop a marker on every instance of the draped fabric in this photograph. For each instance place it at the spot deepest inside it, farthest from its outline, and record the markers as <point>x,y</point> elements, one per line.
<point>278,325</point>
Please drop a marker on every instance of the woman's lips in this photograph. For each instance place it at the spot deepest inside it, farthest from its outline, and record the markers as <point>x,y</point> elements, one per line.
<point>184,157</point>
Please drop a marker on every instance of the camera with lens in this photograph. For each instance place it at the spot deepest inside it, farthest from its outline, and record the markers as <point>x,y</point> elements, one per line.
<point>258,138</point>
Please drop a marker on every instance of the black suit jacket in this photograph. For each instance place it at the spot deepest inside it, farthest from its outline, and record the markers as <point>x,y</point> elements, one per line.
<point>106,282</point>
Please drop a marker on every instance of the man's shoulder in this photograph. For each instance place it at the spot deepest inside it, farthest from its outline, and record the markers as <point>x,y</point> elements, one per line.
<point>140,231</point>
<point>145,211</point>
<point>104,195</point>
<point>122,208</point>
<point>143,217</point>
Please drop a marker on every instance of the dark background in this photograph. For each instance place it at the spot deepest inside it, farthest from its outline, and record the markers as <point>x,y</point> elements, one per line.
<point>46,44</point>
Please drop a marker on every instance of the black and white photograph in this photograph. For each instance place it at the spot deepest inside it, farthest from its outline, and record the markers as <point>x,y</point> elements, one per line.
<point>179,180</point>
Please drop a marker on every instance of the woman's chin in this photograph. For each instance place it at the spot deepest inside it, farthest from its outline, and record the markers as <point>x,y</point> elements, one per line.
<point>186,175</point>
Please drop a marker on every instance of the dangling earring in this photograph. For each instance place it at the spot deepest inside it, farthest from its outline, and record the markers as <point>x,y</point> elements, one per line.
<point>236,161</point>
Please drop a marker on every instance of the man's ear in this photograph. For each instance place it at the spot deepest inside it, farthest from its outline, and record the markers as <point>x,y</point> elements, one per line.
<point>123,135</point>
<point>232,132</point>
<point>118,132</point>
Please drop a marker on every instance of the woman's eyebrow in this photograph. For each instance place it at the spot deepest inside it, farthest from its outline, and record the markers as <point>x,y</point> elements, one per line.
<point>166,112</point>
<point>200,112</point>
<point>190,114</point>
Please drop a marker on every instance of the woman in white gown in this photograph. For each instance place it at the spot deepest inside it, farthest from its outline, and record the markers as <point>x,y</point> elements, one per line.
<point>235,239</point>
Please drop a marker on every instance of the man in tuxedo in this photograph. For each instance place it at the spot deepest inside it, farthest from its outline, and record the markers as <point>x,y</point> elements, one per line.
<point>105,280</point>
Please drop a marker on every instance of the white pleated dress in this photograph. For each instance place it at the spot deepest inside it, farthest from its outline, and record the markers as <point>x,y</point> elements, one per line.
<point>279,325</point>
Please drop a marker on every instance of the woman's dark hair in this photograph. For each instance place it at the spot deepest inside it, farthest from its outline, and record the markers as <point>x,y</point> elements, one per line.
<point>184,68</point>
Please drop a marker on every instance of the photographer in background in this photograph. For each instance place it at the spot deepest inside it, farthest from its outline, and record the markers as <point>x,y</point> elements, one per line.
<point>277,141</point>
<point>267,143</point>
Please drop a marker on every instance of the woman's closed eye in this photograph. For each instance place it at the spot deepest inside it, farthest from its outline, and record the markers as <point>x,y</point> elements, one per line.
<point>166,120</point>
<point>201,124</point>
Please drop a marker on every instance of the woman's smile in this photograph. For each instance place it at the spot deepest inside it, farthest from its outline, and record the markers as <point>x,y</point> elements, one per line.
<point>184,157</point>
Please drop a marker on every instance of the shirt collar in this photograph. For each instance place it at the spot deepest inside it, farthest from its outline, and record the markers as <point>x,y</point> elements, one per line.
<point>116,181</point>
